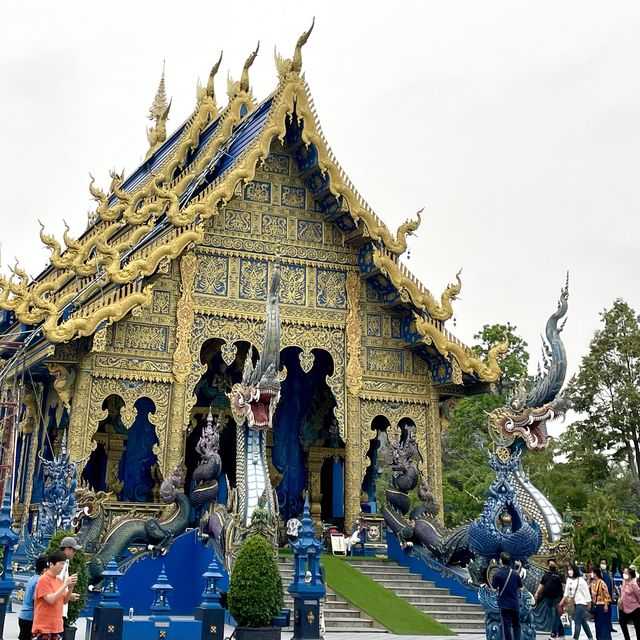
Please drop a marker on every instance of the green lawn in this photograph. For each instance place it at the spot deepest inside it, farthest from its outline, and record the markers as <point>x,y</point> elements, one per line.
<point>377,602</point>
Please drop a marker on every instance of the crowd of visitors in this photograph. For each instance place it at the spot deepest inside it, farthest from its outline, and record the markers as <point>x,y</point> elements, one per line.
<point>579,596</point>
<point>591,594</point>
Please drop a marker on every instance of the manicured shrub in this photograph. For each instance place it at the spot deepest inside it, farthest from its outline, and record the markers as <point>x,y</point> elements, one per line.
<point>77,565</point>
<point>255,587</point>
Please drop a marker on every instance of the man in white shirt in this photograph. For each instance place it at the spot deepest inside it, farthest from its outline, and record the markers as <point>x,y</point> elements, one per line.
<point>68,546</point>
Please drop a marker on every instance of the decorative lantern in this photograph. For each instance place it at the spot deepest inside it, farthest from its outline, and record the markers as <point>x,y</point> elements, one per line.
<point>160,608</point>
<point>110,593</point>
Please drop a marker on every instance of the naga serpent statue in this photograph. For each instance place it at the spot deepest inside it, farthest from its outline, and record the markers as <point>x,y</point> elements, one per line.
<point>516,518</point>
<point>253,403</point>
<point>419,526</point>
<point>156,533</point>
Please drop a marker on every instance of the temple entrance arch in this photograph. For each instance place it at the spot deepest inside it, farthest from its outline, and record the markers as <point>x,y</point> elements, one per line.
<point>102,470</point>
<point>139,469</point>
<point>220,373</point>
<point>306,433</point>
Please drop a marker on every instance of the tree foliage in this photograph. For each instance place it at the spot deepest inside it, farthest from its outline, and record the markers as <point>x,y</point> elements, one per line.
<point>607,390</point>
<point>606,531</point>
<point>78,564</point>
<point>255,586</point>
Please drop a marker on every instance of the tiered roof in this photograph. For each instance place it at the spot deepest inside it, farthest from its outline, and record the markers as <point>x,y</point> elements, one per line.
<point>154,214</point>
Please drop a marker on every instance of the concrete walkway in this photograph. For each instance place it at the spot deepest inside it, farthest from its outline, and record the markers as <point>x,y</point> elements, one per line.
<point>11,633</point>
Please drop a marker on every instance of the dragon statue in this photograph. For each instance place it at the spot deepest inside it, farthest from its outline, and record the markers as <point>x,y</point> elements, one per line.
<point>253,403</point>
<point>206,473</point>
<point>58,505</point>
<point>516,517</point>
<point>419,526</point>
<point>131,528</point>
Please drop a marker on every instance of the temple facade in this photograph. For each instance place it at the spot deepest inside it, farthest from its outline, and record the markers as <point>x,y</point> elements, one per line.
<point>136,331</point>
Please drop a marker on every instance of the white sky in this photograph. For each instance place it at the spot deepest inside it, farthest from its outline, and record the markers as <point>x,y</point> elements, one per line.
<point>517,125</point>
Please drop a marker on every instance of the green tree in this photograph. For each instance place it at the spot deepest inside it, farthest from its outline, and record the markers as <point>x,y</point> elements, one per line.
<point>607,390</point>
<point>78,564</point>
<point>605,531</point>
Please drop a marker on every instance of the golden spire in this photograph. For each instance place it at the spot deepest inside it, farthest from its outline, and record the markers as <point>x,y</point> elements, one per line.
<point>244,79</point>
<point>159,112</point>
<point>159,106</point>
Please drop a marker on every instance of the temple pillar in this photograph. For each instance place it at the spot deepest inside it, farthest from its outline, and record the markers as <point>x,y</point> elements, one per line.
<point>352,463</point>
<point>434,447</point>
<point>182,367</point>
<point>79,436</point>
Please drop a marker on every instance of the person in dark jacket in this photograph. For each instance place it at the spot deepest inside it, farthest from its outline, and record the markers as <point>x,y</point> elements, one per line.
<point>508,584</point>
<point>549,593</point>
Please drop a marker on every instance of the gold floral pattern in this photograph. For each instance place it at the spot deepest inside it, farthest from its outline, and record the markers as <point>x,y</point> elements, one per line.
<point>161,302</point>
<point>253,279</point>
<point>384,360</point>
<point>236,220</point>
<point>276,163</point>
<point>291,196</point>
<point>146,337</point>
<point>211,275</point>
<point>331,290</point>
<point>310,231</point>
<point>293,286</point>
<point>258,191</point>
<point>274,226</point>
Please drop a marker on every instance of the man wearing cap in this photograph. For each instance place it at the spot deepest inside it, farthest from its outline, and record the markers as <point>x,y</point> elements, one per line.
<point>68,546</point>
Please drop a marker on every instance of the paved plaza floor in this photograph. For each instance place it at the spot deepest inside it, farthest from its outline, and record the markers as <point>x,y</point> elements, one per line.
<point>11,633</point>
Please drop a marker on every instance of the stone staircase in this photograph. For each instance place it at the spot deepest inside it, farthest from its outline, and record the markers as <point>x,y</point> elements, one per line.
<point>339,615</point>
<point>453,611</point>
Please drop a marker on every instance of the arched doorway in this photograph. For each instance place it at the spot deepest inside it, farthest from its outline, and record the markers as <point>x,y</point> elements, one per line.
<point>211,395</point>
<point>305,435</point>
<point>102,471</point>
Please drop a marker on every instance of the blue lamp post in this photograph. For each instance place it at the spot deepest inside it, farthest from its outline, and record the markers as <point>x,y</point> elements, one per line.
<point>210,610</point>
<point>160,608</point>
<point>307,586</point>
<point>107,615</point>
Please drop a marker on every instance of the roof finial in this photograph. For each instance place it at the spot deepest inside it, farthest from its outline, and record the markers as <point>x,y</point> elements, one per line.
<point>159,112</point>
<point>296,63</point>
<point>212,75</point>
<point>159,105</point>
<point>244,79</point>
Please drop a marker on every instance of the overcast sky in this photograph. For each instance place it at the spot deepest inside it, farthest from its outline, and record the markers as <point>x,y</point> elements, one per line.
<point>516,124</point>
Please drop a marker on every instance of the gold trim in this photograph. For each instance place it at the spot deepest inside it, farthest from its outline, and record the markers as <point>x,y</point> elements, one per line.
<point>410,289</point>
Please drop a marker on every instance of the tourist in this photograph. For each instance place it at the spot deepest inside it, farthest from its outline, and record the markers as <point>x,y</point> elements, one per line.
<point>601,600</point>
<point>68,546</point>
<point>606,576</point>
<point>629,603</point>
<point>575,601</point>
<point>50,596</point>
<point>508,584</point>
<point>25,617</point>
<point>549,593</point>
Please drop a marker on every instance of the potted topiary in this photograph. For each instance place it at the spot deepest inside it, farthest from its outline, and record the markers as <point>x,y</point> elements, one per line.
<point>255,591</point>
<point>78,564</point>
